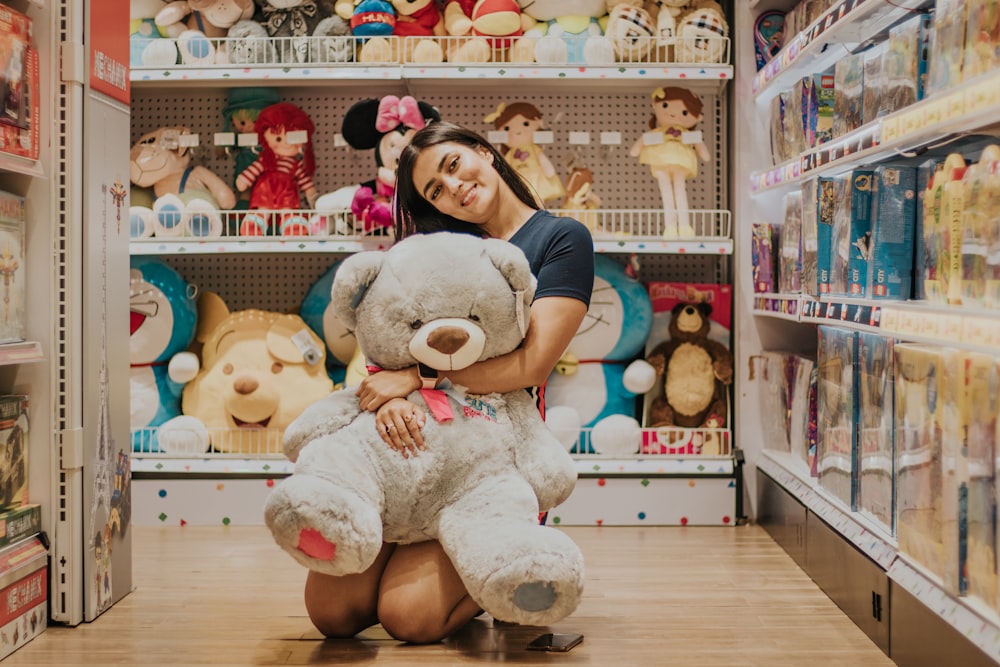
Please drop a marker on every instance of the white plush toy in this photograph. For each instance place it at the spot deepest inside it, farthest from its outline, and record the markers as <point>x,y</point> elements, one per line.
<point>490,463</point>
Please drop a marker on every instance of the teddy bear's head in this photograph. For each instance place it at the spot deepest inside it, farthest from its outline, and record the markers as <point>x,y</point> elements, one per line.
<point>157,155</point>
<point>405,306</point>
<point>690,321</point>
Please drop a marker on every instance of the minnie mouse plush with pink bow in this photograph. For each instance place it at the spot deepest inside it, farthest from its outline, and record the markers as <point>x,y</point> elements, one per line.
<point>387,125</point>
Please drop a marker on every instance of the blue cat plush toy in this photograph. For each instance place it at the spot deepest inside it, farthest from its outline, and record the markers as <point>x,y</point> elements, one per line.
<point>163,318</point>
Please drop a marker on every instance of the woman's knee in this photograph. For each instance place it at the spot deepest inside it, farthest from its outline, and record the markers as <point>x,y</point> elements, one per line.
<point>412,621</point>
<point>338,610</point>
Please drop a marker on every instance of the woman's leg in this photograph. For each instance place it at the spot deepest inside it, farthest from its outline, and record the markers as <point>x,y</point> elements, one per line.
<point>422,599</point>
<point>344,606</point>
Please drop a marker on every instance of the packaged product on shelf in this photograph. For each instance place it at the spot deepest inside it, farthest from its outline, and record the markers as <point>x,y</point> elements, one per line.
<point>779,144</point>
<point>18,523</point>
<point>976,232</point>
<point>15,31</point>
<point>15,139</point>
<point>762,257</point>
<point>875,428</point>
<point>922,252</point>
<point>874,83</point>
<point>790,257</point>
<point>851,235</point>
<point>991,297</point>
<point>802,411</point>
<point>13,450</point>
<point>836,444</point>
<point>12,267</point>
<point>936,236</point>
<point>947,45</point>
<point>918,454</point>
<point>953,414</point>
<point>830,190</point>
<point>822,94</point>
<point>809,195</point>
<point>774,403</point>
<point>983,389</point>
<point>982,39</point>
<point>848,94</point>
<point>795,119</point>
<point>905,62</point>
<point>951,220</point>
<point>25,573</point>
<point>893,218</point>
<point>769,36</point>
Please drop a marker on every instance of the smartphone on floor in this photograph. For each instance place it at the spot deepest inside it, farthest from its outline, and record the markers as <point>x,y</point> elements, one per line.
<point>554,642</point>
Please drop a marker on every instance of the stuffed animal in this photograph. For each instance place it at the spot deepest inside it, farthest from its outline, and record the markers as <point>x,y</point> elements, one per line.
<point>631,31</point>
<point>290,23</point>
<point>259,371</point>
<point>418,24</point>
<point>581,202</point>
<point>375,20</point>
<point>520,121</point>
<point>317,311</point>
<point>702,34</point>
<point>489,26</point>
<point>446,300</point>
<point>695,371</point>
<point>387,125</point>
<point>188,198</point>
<point>591,376</point>
<point>243,106</point>
<point>330,43</point>
<point>282,174</point>
<point>162,325</point>
<point>672,149</point>
<point>197,26</point>
<point>665,14</point>
<point>558,33</point>
<point>147,44</point>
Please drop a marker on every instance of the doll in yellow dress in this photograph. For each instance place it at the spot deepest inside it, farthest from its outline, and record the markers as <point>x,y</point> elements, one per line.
<point>672,149</point>
<point>520,121</point>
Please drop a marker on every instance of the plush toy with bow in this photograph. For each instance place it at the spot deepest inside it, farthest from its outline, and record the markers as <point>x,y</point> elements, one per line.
<point>282,174</point>
<point>490,464</point>
<point>520,121</point>
<point>672,149</point>
<point>387,125</point>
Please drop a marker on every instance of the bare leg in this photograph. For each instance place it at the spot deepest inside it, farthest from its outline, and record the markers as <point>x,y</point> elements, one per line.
<point>663,179</point>
<point>422,599</point>
<point>344,606</point>
<point>679,186</point>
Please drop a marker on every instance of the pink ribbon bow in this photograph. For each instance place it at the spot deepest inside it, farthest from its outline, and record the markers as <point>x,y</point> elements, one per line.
<point>395,111</point>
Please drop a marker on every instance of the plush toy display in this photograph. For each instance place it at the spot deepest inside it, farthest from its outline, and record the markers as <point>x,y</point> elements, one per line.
<point>665,13</point>
<point>282,174</point>
<point>197,26</point>
<point>242,109</point>
<point>416,19</point>
<point>387,125</point>
<point>631,31</point>
<point>695,372</point>
<point>448,301</point>
<point>317,311</point>
<point>591,376</point>
<point>162,325</point>
<point>147,46</point>
<point>558,32</point>
<point>490,25</point>
<point>259,371</point>
<point>520,121</point>
<point>672,149</point>
<point>581,202</point>
<point>292,31</point>
<point>188,198</point>
<point>701,34</point>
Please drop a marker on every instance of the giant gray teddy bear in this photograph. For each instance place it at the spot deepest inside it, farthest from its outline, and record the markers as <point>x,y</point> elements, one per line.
<point>446,300</point>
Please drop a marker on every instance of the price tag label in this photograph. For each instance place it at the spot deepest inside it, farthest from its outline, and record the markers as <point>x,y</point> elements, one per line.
<point>976,331</point>
<point>339,141</point>
<point>652,138</point>
<point>890,129</point>
<point>497,136</point>
<point>950,328</point>
<point>224,138</point>
<point>934,114</point>
<point>909,323</point>
<point>579,138</point>
<point>611,138</point>
<point>297,137</point>
<point>929,326</point>
<point>187,140</point>
<point>246,139</point>
<point>690,138</point>
<point>544,137</point>
<point>890,320</point>
<point>954,107</point>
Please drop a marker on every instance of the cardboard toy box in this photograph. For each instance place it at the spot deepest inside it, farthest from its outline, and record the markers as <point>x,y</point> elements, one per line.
<point>24,577</point>
<point>20,106</point>
<point>836,446</point>
<point>893,220</point>
<point>876,436</point>
<point>851,235</point>
<point>13,450</point>
<point>12,268</point>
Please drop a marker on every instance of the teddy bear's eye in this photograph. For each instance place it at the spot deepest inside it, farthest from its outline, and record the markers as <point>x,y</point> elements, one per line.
<point>277,367</point>
<point>227,369</point>
<point>416,324</point>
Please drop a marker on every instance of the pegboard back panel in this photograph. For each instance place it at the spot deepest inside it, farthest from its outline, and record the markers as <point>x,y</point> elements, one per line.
<point>619,180</point>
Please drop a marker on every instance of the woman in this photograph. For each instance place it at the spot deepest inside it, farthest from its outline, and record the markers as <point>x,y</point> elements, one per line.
<point>450,178</point>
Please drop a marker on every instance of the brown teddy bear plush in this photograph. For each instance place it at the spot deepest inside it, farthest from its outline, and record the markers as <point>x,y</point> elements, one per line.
<point>696,371</point>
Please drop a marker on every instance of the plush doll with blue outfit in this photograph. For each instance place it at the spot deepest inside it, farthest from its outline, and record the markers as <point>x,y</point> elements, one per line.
<point>163,318</point>
<point>591,378</point>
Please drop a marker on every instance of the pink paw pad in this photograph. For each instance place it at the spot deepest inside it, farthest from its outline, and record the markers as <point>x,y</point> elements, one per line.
<point>314,545</point>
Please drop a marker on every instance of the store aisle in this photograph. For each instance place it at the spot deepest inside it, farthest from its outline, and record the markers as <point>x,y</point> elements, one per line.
<point>655,596</point>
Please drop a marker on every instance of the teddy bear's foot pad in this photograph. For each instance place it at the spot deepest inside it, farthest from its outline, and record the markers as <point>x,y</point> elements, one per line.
<point>535,596</point>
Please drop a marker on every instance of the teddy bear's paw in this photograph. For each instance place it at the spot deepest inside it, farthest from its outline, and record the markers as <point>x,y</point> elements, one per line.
<point>140,219</point>
<point>169,216</point>
<point>535,596</point>
<point>195,48</point>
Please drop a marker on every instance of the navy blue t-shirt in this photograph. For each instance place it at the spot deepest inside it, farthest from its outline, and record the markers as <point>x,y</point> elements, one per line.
<point>561,254</point>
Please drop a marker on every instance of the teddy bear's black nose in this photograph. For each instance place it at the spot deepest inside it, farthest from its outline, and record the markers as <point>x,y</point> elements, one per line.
<point>448,340</point>
<point>689,310</point>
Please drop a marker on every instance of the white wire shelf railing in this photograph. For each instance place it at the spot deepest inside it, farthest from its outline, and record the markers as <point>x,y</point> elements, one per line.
<point>186,229</point>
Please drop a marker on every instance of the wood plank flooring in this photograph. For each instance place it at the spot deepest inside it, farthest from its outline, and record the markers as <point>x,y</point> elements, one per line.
<point>654,596</point>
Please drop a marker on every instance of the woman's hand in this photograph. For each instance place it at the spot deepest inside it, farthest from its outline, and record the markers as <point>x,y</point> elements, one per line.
<point>377,388</point>
<point>399,423</point>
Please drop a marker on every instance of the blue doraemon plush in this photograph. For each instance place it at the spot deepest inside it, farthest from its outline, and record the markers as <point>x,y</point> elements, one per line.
<point>341,346</point>
<point>163,318</point>
<point>591,377</point>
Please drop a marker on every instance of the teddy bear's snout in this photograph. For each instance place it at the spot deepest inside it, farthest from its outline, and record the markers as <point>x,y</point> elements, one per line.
<point>245,385</point>
<point>448,340</point>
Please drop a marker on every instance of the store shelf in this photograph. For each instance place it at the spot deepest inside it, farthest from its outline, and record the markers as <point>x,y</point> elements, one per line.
<point>16,164</point>
<point>150,465</point>
<point>305,75</point>
<point>973,105</point>
<point>793,474</point>
<point>845,26</point>
<point>263,244</point>
<point>20,353</point>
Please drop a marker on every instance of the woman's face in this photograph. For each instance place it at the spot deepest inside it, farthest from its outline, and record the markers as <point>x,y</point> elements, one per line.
<point>458,181</point>
<point>674,112</point>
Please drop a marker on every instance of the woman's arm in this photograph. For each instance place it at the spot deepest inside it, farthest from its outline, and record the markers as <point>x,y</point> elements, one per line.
<point>553,322</point>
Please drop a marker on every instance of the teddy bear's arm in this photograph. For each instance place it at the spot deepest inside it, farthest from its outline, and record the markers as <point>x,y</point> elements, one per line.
<point>221,192</point>
<point>323,417</point>
<point>722,361</point>
<point>539,455</point>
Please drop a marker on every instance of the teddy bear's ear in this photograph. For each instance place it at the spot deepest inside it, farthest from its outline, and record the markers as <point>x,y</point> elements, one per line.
<point>514,267</point>
<point>351,283</point>
<point>291,341</point>
<point>705,308</point>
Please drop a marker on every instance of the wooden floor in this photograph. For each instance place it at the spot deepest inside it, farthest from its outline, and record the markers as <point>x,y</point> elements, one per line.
<point>654,596</point>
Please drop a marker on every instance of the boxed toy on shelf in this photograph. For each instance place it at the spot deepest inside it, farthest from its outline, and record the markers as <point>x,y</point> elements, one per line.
<point>893,211</point>
<point>953,416</point>
<point>802,420</point>
<point>20,109</point>
<point>982,39</point>
<point>918,455</point>
<point>848,94</point>
<point>850,235</point>
<point>13,450</point>
<point>762,256</point>
<point>13,270</point>
<point>875,428</point>
<point>25,591</point>
<point>905,63</point>
<point>980,224</point>
<point>829,191</point>
<point>790,257</point>
<point>874,83</point>
<point>836,414</point>
<point>18,523</point>
<point>981,532</point>
<point>944,67</point>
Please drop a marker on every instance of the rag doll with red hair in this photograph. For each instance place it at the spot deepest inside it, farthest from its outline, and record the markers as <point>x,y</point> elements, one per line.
<point>282,174</point>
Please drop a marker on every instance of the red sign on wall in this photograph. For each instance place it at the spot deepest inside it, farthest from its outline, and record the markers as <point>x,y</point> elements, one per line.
<point>109,48</point>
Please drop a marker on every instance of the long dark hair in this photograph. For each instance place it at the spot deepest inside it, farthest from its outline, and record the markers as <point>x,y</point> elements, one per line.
<point>415,215</point>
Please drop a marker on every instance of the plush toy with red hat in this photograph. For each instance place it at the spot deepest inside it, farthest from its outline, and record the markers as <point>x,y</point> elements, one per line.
<point>491,25</point>
<point>282,174</point>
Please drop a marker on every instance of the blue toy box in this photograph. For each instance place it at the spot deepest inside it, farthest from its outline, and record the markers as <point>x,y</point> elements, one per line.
<point>893,219</point>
